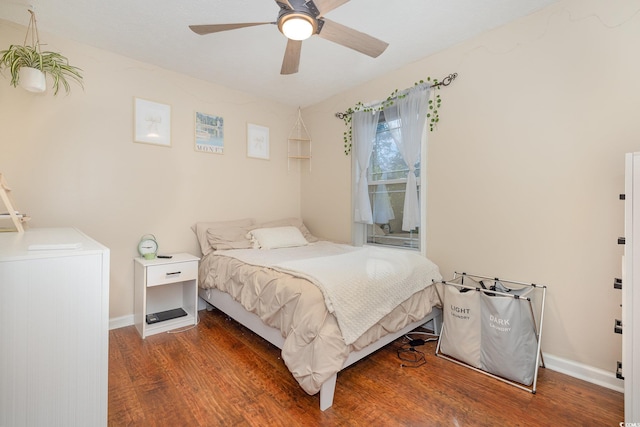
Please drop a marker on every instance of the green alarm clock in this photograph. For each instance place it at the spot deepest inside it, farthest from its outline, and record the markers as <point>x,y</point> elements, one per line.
<point>148,246</point>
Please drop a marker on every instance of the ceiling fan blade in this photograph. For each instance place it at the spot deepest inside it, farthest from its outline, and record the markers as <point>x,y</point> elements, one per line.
<point>285,3</point>
<point>326,6</point>
<point>291,59</point>
<point>216,28</point>
<point>352,39</point>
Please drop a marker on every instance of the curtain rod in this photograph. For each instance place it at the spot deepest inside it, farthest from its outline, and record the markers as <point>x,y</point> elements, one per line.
<point>445,82</point>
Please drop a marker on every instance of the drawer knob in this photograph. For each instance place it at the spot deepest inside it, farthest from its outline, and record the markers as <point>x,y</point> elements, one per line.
<point>175,273</point>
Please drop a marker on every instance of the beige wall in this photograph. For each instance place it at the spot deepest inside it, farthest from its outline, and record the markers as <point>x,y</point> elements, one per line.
<point>71,160</point>
<point>524,170</point>
<point>526,166</point>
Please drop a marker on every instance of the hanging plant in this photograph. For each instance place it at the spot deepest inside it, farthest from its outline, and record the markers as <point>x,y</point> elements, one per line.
<point>28,65</point>
<point>433,116</point>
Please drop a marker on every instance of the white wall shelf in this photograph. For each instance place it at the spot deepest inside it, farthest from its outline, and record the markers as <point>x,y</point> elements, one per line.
<point>299,142</point>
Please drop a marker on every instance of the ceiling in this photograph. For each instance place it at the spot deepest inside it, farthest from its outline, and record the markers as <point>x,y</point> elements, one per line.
<point>249,59</point>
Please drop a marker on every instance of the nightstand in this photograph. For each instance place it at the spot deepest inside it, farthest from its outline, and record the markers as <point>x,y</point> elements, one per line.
<point>164,284</point>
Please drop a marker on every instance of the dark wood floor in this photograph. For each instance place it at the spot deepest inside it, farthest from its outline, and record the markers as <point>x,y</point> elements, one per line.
<point>221,374</point>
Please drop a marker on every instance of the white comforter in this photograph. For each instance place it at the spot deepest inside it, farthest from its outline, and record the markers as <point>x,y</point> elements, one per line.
<point>360,285</point>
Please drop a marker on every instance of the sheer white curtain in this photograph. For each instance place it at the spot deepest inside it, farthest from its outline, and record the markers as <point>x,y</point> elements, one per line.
<point>411,110</point>
<point>364,125</point>
<point>382,209</point>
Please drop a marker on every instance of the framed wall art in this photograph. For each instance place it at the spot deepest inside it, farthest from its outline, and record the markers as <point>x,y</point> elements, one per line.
<point>257,141</point>
<point>152,122</point>
<point>209,133</point>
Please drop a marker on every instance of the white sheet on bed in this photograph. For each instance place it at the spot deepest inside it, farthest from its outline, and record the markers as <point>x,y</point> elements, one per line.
<point>360,285</point>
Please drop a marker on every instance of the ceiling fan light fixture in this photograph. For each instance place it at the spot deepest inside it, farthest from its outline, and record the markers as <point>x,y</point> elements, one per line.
<point>297,26</point>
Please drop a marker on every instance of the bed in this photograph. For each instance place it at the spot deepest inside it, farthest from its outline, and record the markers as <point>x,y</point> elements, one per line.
<point>278,280</point>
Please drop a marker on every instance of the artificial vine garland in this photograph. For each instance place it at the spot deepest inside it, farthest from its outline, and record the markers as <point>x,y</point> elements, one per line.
<point>433,116</point>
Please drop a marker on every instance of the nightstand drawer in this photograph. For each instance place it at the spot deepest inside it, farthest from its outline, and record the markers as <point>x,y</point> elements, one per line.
<point>171,273</point>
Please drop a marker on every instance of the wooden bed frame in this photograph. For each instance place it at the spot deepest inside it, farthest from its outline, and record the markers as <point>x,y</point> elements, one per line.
<point>225,303</point>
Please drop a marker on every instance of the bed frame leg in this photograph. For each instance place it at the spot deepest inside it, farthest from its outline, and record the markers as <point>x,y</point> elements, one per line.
<point>326,392</point>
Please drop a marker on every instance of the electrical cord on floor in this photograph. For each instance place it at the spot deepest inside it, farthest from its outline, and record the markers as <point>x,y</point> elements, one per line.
<point>188,328</point>
<point>407,351</point>
<point>413,357</point>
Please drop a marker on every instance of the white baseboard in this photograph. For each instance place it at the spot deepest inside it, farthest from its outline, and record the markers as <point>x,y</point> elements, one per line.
<point>583,372</point>
<point>121,322</point>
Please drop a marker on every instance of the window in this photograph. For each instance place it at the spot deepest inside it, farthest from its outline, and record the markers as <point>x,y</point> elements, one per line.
<point>390,146</point>
<point>387,176</point>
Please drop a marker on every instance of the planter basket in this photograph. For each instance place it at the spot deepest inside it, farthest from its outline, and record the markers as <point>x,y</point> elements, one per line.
<point>29,66</point>
<point>32,79</point>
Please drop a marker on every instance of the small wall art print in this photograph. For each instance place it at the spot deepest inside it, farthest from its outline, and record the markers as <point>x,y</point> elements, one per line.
<point>152,122</point>
<point>209,133</point>
<point>257,141</point>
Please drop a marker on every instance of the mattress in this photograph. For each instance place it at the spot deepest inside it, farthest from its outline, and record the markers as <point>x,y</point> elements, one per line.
<point>314,348</point>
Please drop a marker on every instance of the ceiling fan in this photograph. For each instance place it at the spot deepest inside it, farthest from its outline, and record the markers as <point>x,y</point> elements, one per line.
<point>299,20</point>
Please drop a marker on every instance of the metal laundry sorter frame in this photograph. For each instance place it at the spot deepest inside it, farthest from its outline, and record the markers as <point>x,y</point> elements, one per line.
<point>489,325</point>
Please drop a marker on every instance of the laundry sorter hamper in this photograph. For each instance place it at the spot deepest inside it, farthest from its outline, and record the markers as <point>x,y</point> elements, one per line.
<point>489,325</point>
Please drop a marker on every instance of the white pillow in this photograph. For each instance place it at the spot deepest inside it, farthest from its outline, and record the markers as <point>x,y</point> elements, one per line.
<point>277,237</point>
<point>294,222</point>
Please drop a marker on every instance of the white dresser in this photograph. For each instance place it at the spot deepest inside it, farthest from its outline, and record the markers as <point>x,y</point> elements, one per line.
<point>631,291</point>
<point>54,329</point>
